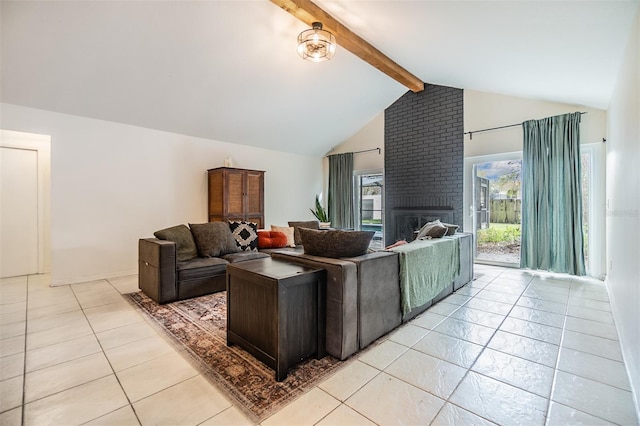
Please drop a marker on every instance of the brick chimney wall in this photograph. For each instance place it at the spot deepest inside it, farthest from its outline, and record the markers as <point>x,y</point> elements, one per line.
<point>424,158</point>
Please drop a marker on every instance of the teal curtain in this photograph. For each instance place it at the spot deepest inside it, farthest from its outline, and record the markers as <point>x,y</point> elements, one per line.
<point>340,200</point>
<point>552,195</point>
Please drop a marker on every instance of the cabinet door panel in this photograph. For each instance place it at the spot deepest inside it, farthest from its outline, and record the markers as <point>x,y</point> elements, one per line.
<point>216,195</point>
<point>254,200</point>
<point>235,194</point>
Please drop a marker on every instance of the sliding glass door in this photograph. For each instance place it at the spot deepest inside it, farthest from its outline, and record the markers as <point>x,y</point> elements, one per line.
<point>493,195</point>
<point>497,202</point>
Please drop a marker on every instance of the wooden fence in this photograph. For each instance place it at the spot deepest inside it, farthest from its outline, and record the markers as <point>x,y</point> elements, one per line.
<point>506,211</point>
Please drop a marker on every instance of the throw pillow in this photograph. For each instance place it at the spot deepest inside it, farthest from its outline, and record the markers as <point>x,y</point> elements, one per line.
<point>245,234</point>
<point>213,239</point>
<point>181,235</point>
<point>433,229</point>
<point>271,239</point>
<point>451,228</point>
<point>335,243</point>
<point>288,231</point>
<point>309,224</point>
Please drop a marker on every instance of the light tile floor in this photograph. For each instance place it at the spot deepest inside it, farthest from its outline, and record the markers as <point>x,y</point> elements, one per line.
<point>512,347</point>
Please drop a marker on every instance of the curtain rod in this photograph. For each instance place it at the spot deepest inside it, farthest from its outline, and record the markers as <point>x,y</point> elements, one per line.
<point>367,150</point>
<point>500,127</point>
<point>360,152</point>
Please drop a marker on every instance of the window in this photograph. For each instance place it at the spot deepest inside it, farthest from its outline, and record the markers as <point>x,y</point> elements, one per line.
<point>370,208</point>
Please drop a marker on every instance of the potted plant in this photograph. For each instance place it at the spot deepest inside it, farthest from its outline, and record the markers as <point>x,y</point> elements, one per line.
<point>321,214</point>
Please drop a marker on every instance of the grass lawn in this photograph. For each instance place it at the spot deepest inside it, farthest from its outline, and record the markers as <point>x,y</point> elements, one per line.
<point>502,226</point>
<point>499,233</point>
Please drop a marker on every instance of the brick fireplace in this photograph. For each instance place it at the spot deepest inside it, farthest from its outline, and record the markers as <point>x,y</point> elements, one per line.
<point>424,160</point>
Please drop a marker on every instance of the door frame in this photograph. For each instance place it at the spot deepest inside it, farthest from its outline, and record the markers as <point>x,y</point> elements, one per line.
<point>469,218</point>
<point>356,194</point>
<point>42,145</point>
<point>596,265</point>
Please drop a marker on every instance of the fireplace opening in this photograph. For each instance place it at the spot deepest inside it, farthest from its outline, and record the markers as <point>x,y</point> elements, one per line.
<point>407,220</point>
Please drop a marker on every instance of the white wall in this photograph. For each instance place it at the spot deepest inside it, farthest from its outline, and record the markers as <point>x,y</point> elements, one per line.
<point>112,184</point>
<point>623,213</point>
<point>369,137</point>
<point>486,110</point>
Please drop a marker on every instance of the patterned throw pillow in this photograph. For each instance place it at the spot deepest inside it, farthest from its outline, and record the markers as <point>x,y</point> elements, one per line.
<point>245,234</point>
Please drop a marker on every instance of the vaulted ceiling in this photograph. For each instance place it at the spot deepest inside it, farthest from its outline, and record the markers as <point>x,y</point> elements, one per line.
<point>228,70</point>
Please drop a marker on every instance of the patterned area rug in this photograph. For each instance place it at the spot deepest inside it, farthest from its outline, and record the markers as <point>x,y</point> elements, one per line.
<point>198,326</point>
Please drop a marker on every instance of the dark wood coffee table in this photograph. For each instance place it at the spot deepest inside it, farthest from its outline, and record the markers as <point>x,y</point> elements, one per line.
<point>276,311</point>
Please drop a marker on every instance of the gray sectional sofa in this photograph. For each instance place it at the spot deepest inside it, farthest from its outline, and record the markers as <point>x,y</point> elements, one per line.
<point>363,294</point>
<point>363,300</point>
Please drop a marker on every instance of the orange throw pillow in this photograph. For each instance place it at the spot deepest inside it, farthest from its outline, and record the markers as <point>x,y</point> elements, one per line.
<point>271,239</point>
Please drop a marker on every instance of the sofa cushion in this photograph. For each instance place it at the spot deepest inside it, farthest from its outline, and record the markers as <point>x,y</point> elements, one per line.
<point>271,239</point>
<point>433,229</point>
<point>243,255</point>
<point>335,243</point>
<point>181,235</point>
<point>201,267</point>
<point>309,224</point>
<point>245,234</point>
<point>288,231</point>
<point>213,239</point>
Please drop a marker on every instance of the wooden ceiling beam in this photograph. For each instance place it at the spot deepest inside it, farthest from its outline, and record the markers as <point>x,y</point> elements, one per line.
<point>308,12</point>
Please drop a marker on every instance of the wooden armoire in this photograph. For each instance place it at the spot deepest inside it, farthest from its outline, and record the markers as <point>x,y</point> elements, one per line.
<point>236,194</point>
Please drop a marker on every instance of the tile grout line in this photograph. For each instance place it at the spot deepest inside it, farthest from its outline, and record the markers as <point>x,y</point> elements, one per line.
<point>557,364</point>
<point>557,369</point>
<point>484,347</point>
<point>432,330</point>
<point>118,379</point>
<point>24,357</point>
<point>383,370</point>
<point>105,356</point>
<point>513,305</point>
<point>446,401</point>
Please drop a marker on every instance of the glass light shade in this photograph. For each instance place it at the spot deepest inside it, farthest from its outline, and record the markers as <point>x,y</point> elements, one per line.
<point>316,44</point>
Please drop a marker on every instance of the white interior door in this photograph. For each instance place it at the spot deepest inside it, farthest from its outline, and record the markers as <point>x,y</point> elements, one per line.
<point>18,212</point>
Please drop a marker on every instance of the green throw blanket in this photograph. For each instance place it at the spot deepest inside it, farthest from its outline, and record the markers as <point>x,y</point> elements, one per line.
<point>426,268</point>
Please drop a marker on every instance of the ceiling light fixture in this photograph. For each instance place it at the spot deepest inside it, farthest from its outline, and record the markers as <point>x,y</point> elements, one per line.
<point>316,44</point>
